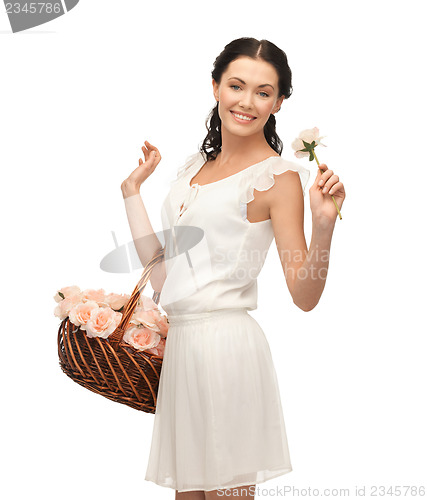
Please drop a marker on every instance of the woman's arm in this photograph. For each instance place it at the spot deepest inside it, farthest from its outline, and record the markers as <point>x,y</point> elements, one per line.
<point>144,238</point>
<point>305,269</point>
<point>310,279</point>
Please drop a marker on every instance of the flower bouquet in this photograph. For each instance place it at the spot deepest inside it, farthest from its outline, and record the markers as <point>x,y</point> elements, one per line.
<point>113,344</point>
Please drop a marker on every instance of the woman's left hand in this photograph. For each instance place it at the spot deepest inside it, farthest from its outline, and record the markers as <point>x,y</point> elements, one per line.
<point>321,203</point>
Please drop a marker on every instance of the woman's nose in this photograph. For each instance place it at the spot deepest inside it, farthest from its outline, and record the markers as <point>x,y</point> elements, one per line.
<point>246,100</point>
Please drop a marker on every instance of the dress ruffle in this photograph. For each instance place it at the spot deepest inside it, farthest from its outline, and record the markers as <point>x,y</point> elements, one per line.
<point>262,180</point>
<point>187,164</point>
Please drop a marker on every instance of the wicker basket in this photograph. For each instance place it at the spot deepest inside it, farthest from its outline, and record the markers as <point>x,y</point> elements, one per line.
<point>111,367</point>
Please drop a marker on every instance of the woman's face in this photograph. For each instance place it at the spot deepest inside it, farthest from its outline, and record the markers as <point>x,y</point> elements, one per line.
<point>250,88</point>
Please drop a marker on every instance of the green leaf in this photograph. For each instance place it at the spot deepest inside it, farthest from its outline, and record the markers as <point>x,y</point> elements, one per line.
<point>61,295</point>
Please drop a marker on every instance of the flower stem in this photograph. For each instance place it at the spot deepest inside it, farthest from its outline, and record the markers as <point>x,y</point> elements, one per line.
<point>332,196</point>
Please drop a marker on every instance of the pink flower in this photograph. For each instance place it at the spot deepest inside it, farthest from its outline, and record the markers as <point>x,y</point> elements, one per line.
<point>116,301</point>
<point>140,316</point>
<point>96,295</point>
<point>160,349</point>
<point>80,313</point>
<point>102,322</point>
<point>146,303</point>
<point>141,338</point>
<point>63,309</point>
<point>162,324</point>
<point>151,319</point>
<point>67,291</point>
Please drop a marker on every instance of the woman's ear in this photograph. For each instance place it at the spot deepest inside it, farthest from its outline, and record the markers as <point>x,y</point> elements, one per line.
<point>215,89</point>
<point>278,104</point>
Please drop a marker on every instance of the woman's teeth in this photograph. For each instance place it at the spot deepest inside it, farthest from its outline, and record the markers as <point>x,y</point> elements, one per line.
<point>242,117</point>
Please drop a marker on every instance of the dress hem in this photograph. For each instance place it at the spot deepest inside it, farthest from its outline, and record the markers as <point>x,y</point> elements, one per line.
<point>281,473</point>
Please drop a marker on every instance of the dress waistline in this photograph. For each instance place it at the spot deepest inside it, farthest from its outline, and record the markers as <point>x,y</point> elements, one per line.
<point>184,318</point>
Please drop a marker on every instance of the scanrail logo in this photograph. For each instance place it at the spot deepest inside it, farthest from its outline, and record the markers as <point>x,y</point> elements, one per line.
<point>24,15</point>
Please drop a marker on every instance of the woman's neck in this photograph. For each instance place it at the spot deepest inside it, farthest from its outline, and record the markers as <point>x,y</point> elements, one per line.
<point>238,149</point>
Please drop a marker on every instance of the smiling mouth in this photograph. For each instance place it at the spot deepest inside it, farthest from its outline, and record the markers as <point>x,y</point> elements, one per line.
<point>243,117</point>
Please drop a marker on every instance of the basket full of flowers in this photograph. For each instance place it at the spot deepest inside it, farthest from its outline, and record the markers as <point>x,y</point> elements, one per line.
<point>113,344</point>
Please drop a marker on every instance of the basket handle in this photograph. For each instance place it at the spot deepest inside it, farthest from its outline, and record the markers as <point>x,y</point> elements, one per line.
<point>116,337</point>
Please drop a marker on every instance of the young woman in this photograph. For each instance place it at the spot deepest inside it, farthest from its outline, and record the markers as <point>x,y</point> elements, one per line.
<point>219,421</point>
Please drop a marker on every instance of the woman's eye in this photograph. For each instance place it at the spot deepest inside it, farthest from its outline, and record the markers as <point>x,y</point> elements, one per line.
<point>237,86</point>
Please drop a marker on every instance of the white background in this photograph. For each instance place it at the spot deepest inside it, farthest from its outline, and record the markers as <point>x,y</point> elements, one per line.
<point>80,94</point>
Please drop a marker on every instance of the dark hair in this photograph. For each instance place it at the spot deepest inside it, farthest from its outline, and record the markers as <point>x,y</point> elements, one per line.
<point>256,49</point>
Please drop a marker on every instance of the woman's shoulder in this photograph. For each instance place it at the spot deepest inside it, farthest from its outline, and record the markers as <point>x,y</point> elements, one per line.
<point>188,163</point>
<point>266,173</point>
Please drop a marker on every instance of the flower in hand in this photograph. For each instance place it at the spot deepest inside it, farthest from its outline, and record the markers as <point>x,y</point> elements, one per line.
<point>327,181</point>
<point>305,143</point>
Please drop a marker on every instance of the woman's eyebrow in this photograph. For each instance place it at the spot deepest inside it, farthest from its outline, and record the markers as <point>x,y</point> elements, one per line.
<point>244,83</point>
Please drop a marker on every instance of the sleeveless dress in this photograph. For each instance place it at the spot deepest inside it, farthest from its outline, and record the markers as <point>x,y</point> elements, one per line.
<point>219,420</point>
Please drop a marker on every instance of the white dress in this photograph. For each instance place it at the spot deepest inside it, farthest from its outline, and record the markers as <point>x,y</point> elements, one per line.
<point>219,420</point>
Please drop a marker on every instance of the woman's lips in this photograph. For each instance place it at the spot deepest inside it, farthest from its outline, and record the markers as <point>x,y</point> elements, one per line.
<point>242,120</point>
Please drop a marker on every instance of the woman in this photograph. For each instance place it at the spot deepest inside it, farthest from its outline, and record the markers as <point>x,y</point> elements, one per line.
<point>219,422</point>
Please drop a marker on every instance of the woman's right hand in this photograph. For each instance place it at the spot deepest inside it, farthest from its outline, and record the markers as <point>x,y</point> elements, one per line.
<point>152,157</point>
